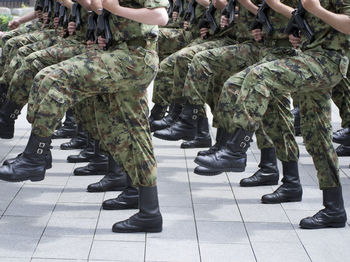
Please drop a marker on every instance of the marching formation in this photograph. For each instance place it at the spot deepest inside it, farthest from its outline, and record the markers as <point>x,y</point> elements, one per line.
<point>249,61</point>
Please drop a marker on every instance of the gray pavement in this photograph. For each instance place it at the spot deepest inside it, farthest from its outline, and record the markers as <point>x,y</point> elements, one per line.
<point>205,218</point>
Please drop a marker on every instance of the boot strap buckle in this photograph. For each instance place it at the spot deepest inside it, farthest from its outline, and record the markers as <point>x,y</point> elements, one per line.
<point>246,138</point>
<point>39,151</point>
<point>42,145</point>
<point>243,144</point>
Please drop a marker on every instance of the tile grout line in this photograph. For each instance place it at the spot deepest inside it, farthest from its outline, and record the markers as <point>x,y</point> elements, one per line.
<point>62,190</point>
<point>301,242</point>
<point>240,213</point>
<point>194,213</point>
<point>97,221</point>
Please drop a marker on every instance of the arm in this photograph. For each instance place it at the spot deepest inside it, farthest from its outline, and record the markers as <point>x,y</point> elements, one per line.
<point>204,3</point>
<point>281,8</point>
<point>156,16</point>
<point>249,5</point>
<point>67,3</point>
<point>27,17</point>
<point>340,22</point>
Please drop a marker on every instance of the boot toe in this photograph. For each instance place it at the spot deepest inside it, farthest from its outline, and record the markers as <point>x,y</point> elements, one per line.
<point>202,171</point>
<point>118,204</point>
<point>197,143</point>
<point>260,179</point>
<point>138,224</point>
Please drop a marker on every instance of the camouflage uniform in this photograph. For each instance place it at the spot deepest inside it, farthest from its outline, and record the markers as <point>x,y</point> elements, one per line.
<point>22,79</point>
<point>209,69</point>
<point>311,74</point>
<point>23,29</point>
<point>12,45</point>
<point>125,70</point>
<point>173,37</point>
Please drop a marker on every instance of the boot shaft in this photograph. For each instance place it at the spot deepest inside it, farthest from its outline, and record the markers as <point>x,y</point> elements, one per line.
<point>148,201</point>
<point>290,173</point>
<point>333,199</point>
<point>38,146</point>
<point>239,141</point>
<point>203,127</point>
<point>268,160</point>
<point>158,112</point>
<point>10,111</point>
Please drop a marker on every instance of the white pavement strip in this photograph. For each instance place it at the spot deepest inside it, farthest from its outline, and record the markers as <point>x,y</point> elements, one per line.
<point>205,218</point>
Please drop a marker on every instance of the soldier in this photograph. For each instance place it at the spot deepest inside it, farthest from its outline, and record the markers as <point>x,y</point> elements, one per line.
<point>210,68</point>
<point>106,72</point>
<point>312,73</point>
<point>12,45</point>
<point>176,35</point>
<point>173,72</point>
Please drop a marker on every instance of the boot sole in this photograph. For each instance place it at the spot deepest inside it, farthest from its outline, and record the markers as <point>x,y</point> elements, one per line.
<point>284,201</point>
<point>335,225</point>
<point>172,139</point>
<point>106,190</point>
<point>121,207</point>
<point>97,173</point>
<point>232,169</point>
<point>78,161</point>
<point>33,179</point>
<point>268,183</point>
<point>6,136</point>
<point>148,230</point>
<point>197,146</point>
<point>214,173</point>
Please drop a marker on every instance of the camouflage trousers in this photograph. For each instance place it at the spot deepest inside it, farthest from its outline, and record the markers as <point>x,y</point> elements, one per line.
<point>22,53</point>
<point>11,47</point>
<point>169,83</point>
<point>259,88</point>
<point>23,77</point>
<point>126,134</point>
<point>24,29</point>
<point>171,40</point>
<point>209,70</point>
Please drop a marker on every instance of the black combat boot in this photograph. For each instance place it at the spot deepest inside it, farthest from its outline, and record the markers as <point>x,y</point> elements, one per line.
<point>77,142</point>
<point>115,180</point>
<point>69,127</point>
<point>148,219</point>
<point>48,158</point>
<point>157,113</point>
<point>169,119</point>
<point>267,174</point>
<point>202,138</point>
<point>342,136</point>
<point>184,128</point>
<point>296,114</point>
<point>31,164</point>
<point>333,215</point>
<point>86,155</point>
<point>230,158</point>
<point>8,114</point>
<point>128,199</point>
<point>342,150</point>
<point>218,144</point>
<point>290,190</point>
<point>97,166</point>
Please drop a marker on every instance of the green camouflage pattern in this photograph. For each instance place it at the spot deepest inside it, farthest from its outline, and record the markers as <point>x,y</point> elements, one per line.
<point>302,74</point>
<point>23,29</point>
<point>23,77</point>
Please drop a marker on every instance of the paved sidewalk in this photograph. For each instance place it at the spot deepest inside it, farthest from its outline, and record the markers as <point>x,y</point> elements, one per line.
<point>205,218</point>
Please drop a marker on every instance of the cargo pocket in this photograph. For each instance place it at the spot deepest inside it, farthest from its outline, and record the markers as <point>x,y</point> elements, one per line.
<point>57,96</point>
